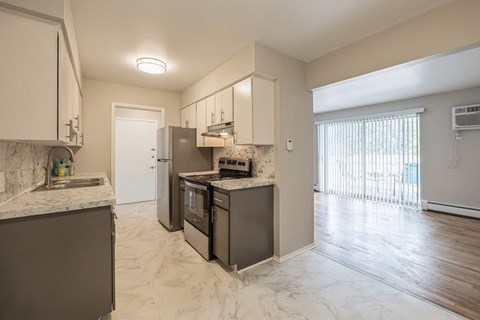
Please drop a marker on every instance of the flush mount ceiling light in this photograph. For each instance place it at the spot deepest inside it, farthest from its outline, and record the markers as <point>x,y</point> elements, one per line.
<point>151,65</point>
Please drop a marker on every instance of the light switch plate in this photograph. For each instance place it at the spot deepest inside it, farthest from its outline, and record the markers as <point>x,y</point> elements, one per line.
<point>2,182</point>
<point>290,144</point>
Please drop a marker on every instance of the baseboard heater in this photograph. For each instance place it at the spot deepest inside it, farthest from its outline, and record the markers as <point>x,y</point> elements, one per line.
<point>451,208</point>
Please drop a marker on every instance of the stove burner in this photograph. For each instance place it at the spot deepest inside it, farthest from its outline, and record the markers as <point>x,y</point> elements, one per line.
<point>210,177</point>
<point>230,178</point>
<point>229,169</point>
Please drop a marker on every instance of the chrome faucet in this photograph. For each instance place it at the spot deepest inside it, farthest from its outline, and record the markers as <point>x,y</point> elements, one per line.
<point>49,167</point>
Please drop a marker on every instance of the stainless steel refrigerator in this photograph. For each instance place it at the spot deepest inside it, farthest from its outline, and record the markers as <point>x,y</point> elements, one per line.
<point>176,152</point>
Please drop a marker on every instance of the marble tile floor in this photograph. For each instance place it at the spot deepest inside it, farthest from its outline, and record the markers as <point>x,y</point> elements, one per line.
<point>159,276</point>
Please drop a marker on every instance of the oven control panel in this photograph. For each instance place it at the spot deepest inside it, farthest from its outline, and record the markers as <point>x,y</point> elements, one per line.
<point>234,164</point>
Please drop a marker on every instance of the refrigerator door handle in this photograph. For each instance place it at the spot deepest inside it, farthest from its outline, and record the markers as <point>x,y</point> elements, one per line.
<point>163,160</point>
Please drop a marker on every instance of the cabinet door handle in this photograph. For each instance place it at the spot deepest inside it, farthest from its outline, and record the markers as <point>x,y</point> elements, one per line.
<point>204,142</point>
<point>222,115</point>
<point>218,200</point>
<point>78,122</point>
<point>212,117</point>
<point>213,214</point>
<point>69,135</point>
<point>71,130</point>
<point>187,124</point>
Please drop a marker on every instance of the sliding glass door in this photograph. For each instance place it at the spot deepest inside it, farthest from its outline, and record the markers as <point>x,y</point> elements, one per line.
<point>371,158</point>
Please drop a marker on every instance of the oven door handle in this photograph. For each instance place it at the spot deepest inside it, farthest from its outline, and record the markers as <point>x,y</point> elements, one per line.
<point>196,186</point>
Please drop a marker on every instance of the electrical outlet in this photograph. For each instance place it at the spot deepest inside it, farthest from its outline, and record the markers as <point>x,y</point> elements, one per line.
<point>2,182</point>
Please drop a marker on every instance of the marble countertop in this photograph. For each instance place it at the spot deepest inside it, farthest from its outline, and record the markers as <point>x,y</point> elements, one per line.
<point>198,173</point>
<point>44,202</point>
<point>245,183</point>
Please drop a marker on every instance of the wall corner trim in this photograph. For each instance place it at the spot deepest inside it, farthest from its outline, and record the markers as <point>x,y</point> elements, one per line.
<point>294,253</point>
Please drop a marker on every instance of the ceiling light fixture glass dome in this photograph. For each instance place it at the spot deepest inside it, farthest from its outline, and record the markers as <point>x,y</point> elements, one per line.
<point>151,65</point>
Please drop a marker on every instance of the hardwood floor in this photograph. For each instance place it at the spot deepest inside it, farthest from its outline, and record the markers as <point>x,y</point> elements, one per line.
<point>431,255</point>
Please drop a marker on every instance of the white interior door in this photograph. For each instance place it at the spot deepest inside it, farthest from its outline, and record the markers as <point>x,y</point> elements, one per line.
<point>135,160</point>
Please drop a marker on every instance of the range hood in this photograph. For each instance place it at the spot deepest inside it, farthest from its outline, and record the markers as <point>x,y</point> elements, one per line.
<point>222,130</point>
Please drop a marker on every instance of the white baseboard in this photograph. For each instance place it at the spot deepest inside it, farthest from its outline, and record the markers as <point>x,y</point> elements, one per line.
<point>254,265</point>
<point>451,208</point>
<point>294,253</point>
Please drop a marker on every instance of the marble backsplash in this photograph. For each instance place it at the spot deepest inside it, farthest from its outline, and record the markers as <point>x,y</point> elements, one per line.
<point>21,167</point>
<point>263,157</point>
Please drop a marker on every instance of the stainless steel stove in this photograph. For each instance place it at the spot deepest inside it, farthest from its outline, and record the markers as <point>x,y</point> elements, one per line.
<point>198,202</point>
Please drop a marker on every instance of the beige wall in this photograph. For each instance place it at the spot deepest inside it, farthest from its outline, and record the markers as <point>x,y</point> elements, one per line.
<point>453,25</point>
<point>294,170</point>
<point>97,108</point>
<point>460,185</point>
<point>238,67</point>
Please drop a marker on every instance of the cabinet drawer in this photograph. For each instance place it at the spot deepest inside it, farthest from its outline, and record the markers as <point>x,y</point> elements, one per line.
<point>221,200</point>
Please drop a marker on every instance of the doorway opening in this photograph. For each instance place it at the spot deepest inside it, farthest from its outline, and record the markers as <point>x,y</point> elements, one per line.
<point>133,151</point>
<point>374,158</point>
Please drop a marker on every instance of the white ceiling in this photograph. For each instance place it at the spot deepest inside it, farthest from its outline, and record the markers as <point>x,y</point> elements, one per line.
<point>193,37</point>
<point>448,72</point>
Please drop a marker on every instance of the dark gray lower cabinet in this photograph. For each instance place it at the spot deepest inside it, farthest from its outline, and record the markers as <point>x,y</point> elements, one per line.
<point>243,226</point>
<point>57,266</point>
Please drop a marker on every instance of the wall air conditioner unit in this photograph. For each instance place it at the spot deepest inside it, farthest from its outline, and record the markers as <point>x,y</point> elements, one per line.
<point>466,117</point>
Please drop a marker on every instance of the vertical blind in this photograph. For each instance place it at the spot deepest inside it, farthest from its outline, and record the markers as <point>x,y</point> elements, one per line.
<point>371,158</point>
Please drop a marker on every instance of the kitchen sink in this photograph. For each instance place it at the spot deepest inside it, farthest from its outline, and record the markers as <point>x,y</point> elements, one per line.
<point>72,184</point>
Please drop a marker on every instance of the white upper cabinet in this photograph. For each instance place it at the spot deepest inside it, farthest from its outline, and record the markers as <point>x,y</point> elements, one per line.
<point>38,88</point>
<point>254,100</point>
<point>224,106</point>
<point>81,135</point>
<point>220,107</point>
<point>211,111</point>
<point>28,80</point>
<point>201,121</point>
<point>202,127</point>
<point>249,104</point>
<point>188,117</point>
<point>70,99</point>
